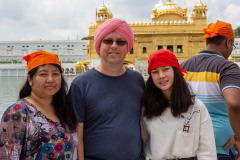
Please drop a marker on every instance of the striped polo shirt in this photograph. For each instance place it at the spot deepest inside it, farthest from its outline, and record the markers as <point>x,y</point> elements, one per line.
<point>209,73</point>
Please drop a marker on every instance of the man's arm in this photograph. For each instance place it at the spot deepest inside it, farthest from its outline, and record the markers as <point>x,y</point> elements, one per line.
<point>232,98</point>
<point>80,141</point>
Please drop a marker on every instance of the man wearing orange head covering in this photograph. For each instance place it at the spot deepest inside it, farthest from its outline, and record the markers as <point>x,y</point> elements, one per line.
<point>107,98</point>
<point>216,81</point>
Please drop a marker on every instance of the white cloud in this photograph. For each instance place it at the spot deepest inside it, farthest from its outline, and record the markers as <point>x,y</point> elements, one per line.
<point>60,19</point>
<point>232,14</point>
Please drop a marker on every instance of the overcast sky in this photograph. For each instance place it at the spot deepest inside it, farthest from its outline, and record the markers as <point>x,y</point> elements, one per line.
<point>70,19</point>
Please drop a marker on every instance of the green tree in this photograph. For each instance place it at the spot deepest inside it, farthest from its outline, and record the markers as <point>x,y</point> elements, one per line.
<point>237,32</point>
<point>84,38</point>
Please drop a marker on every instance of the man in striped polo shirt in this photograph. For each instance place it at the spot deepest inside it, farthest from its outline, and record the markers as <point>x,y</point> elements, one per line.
<point>216,81</point>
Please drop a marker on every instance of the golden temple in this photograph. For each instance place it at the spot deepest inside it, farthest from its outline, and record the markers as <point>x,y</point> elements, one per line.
<point>169,28</point>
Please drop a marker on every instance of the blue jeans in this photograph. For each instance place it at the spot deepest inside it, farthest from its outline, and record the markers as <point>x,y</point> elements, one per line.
<point>231,156</point>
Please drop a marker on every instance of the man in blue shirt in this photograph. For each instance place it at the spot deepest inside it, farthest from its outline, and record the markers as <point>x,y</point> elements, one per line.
<point>107,99</point>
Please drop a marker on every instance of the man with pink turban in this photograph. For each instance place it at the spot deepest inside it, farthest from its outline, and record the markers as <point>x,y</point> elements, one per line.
<point>216,81</point>
<point>107,99</point>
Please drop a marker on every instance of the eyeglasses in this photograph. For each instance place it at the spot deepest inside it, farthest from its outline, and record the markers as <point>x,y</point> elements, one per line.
<point>233,45</point>
<point>110,42</point>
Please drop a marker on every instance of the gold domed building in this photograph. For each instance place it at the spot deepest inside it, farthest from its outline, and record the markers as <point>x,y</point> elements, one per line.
<point>168,11</point>
<point>170,28</point>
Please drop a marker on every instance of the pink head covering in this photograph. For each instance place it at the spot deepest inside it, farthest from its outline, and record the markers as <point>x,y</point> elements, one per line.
<point>113,25</point>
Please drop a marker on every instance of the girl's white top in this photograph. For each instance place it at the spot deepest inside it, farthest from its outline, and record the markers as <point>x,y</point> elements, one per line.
<point>191,134</point>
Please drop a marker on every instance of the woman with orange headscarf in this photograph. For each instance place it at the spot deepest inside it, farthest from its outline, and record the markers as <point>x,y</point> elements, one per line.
<point>41,124</point>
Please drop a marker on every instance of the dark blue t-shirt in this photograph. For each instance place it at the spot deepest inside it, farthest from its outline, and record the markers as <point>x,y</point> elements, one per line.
<point>109,107</point>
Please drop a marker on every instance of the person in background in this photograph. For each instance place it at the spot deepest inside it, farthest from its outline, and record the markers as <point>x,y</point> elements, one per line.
<point>107,99</point>
<point>216,81</point>
<point>41,124</point>
<point>175,124</point>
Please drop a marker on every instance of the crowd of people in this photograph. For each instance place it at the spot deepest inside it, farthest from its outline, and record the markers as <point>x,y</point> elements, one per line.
<point>182,112</point>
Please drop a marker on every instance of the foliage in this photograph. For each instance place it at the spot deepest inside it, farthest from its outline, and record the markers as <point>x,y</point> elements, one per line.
<point>237,32</point>
<point>10,62</point>
<point>68,61</point>
<point>84,38</point>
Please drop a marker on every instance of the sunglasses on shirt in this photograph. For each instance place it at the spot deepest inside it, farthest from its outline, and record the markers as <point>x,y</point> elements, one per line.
<point>110,42</point>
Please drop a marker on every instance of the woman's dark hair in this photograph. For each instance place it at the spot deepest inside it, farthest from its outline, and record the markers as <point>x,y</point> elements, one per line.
<point>61,102</point>
<point>155,103</point>
<point>217,40</point>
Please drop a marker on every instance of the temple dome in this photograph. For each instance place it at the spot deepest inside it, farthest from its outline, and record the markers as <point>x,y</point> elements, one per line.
<point>103,14</point>
<point>199,3</point>
<point>169,7</point>
<point>168,11</point>
<point>103,8</point>
<point>158,5</point>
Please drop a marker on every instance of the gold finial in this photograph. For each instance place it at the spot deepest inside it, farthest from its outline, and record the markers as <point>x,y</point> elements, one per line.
<point>200,2</point>
<point>169,0</point>
<point>230,58</point>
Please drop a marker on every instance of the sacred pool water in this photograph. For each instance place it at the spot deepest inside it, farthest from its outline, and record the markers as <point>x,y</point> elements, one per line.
<point>9,90</point>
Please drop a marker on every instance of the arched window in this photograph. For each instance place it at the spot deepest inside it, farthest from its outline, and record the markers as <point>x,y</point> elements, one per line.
<point>179,49</point>
<point>144,50</point>
<point>160,47</point>
<point>170,48</point>
<point>131,52</point>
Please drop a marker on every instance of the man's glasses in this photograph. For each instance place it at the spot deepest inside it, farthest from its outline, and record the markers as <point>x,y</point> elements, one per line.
<point>110,42</point>
<point>234,47</point>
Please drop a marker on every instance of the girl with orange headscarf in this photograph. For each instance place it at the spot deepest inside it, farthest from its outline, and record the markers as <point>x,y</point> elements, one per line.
<point>175,124</point>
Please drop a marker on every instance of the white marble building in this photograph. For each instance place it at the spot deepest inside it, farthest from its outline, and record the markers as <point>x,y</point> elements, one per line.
<point>236,52</point>
<point>69,52</point>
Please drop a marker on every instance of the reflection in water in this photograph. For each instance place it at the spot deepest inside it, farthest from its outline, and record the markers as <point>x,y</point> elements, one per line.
<point>10,87</point>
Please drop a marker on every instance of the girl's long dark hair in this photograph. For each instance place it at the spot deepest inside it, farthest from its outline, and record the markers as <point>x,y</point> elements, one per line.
<point>61,102</point>
<point>155,103</point>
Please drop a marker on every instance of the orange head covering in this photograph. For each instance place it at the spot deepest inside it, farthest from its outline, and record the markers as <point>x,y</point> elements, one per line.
<point>219,28</point>
<point>39,58</point>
